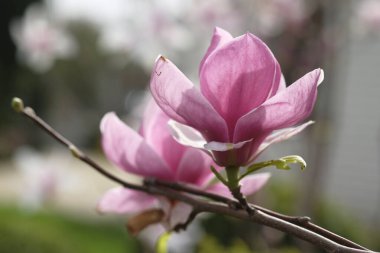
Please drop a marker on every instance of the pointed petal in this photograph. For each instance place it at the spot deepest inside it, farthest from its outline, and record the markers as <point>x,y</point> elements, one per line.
<point>179,99</point>
<point>157,134</point>
<point>278,136</point>
<point>284,134</point>
<point>194,167</point>
<point>239,76</point>
<point>128,150</point>
<point>121,200</point>
<point>186,135</point>
<point>285,109</point>
<point>219,38</point>
<point>222,146</point>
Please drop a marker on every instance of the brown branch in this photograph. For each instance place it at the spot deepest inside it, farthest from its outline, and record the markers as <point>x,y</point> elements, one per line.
<point>296,226</point>
<point>302,221</point>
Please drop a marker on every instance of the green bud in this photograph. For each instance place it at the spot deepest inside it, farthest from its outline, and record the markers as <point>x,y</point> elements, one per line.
<point>282,164</point>
<point>293,159</point>
<point>17,104</point>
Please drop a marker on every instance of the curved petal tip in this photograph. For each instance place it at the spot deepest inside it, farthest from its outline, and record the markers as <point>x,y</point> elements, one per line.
<point>321,76</point>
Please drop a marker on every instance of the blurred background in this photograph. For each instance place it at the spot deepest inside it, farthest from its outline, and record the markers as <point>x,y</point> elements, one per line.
<point>73,61</point>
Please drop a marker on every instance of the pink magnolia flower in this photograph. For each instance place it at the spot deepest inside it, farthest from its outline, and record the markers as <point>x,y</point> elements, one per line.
<point>243,99</point>
<point>153,152</point>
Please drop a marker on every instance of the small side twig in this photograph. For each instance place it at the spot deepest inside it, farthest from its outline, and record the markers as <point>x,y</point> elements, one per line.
<point>183,226</point>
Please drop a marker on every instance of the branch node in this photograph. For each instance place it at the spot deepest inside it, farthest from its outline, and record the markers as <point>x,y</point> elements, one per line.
<point>30,111</point>
<point>233,205</point>
<point>243,201</point>
<point>303,220</point>
<point>75,151</point>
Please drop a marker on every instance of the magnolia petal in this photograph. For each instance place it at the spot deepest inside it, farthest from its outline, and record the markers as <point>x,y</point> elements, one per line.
<point>220,146</point>
<point>194,167</point>
<point>239,76</point>
<point>219,38</point>
<point>220,189</point>
<point>175,212</point>
<point>282,85</point>
<point>249,185</point>
<point>278,136</point>
<point>181,101</point>
<point>285,109</point>
<point>285,133</point>
<point>179,214</point>
<point>253,183</point>
<point>186,135</point>
<point>157,134</point>
<point>278,82</point>
<point>120,200</point>
<point>128,150</point>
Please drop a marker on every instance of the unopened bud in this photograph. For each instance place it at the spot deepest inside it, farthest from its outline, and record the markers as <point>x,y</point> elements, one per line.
<point>17,104</point>
<point>294,159</point>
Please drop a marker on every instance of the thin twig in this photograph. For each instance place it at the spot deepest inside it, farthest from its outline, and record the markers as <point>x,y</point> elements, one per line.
<point>308,231</point>
<point>183,226</point>
<point>302,221</point>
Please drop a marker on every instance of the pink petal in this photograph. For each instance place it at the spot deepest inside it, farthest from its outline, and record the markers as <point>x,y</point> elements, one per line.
<point>121,200</point>
<point>249,185</point>
<point>240,153</point>
<point>220,189</point>
<point>179,99</point>
<point>128,150</point>
<point>285,109</point>
<point>194,167</point>
<point>282,85</point>
<point>186,135</point>
<point>219,38</point>
<point>278,136</point>
<point>175,212</point>
<point>239,76</point>
<point>222,146</point>
<point>179,214</point>
<point>252,183</point>
<point>157,134</point>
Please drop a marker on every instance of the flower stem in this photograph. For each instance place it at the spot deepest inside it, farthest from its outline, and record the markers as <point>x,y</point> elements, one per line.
<point>234,187</point>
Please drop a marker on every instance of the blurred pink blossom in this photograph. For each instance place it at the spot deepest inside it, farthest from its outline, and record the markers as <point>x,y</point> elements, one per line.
<point>152,152</point>
<point>243,99</point>
<point>41,175</point>
<point>368,16</point>
<point>40,40</point>
<point>274,15</point>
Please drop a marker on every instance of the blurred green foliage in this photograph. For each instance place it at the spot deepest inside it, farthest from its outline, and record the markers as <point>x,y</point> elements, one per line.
<point>42,232</point>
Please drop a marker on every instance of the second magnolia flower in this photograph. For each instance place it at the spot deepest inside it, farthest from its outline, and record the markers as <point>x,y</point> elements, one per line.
<point>153,153</point>
<point>243,105</point>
